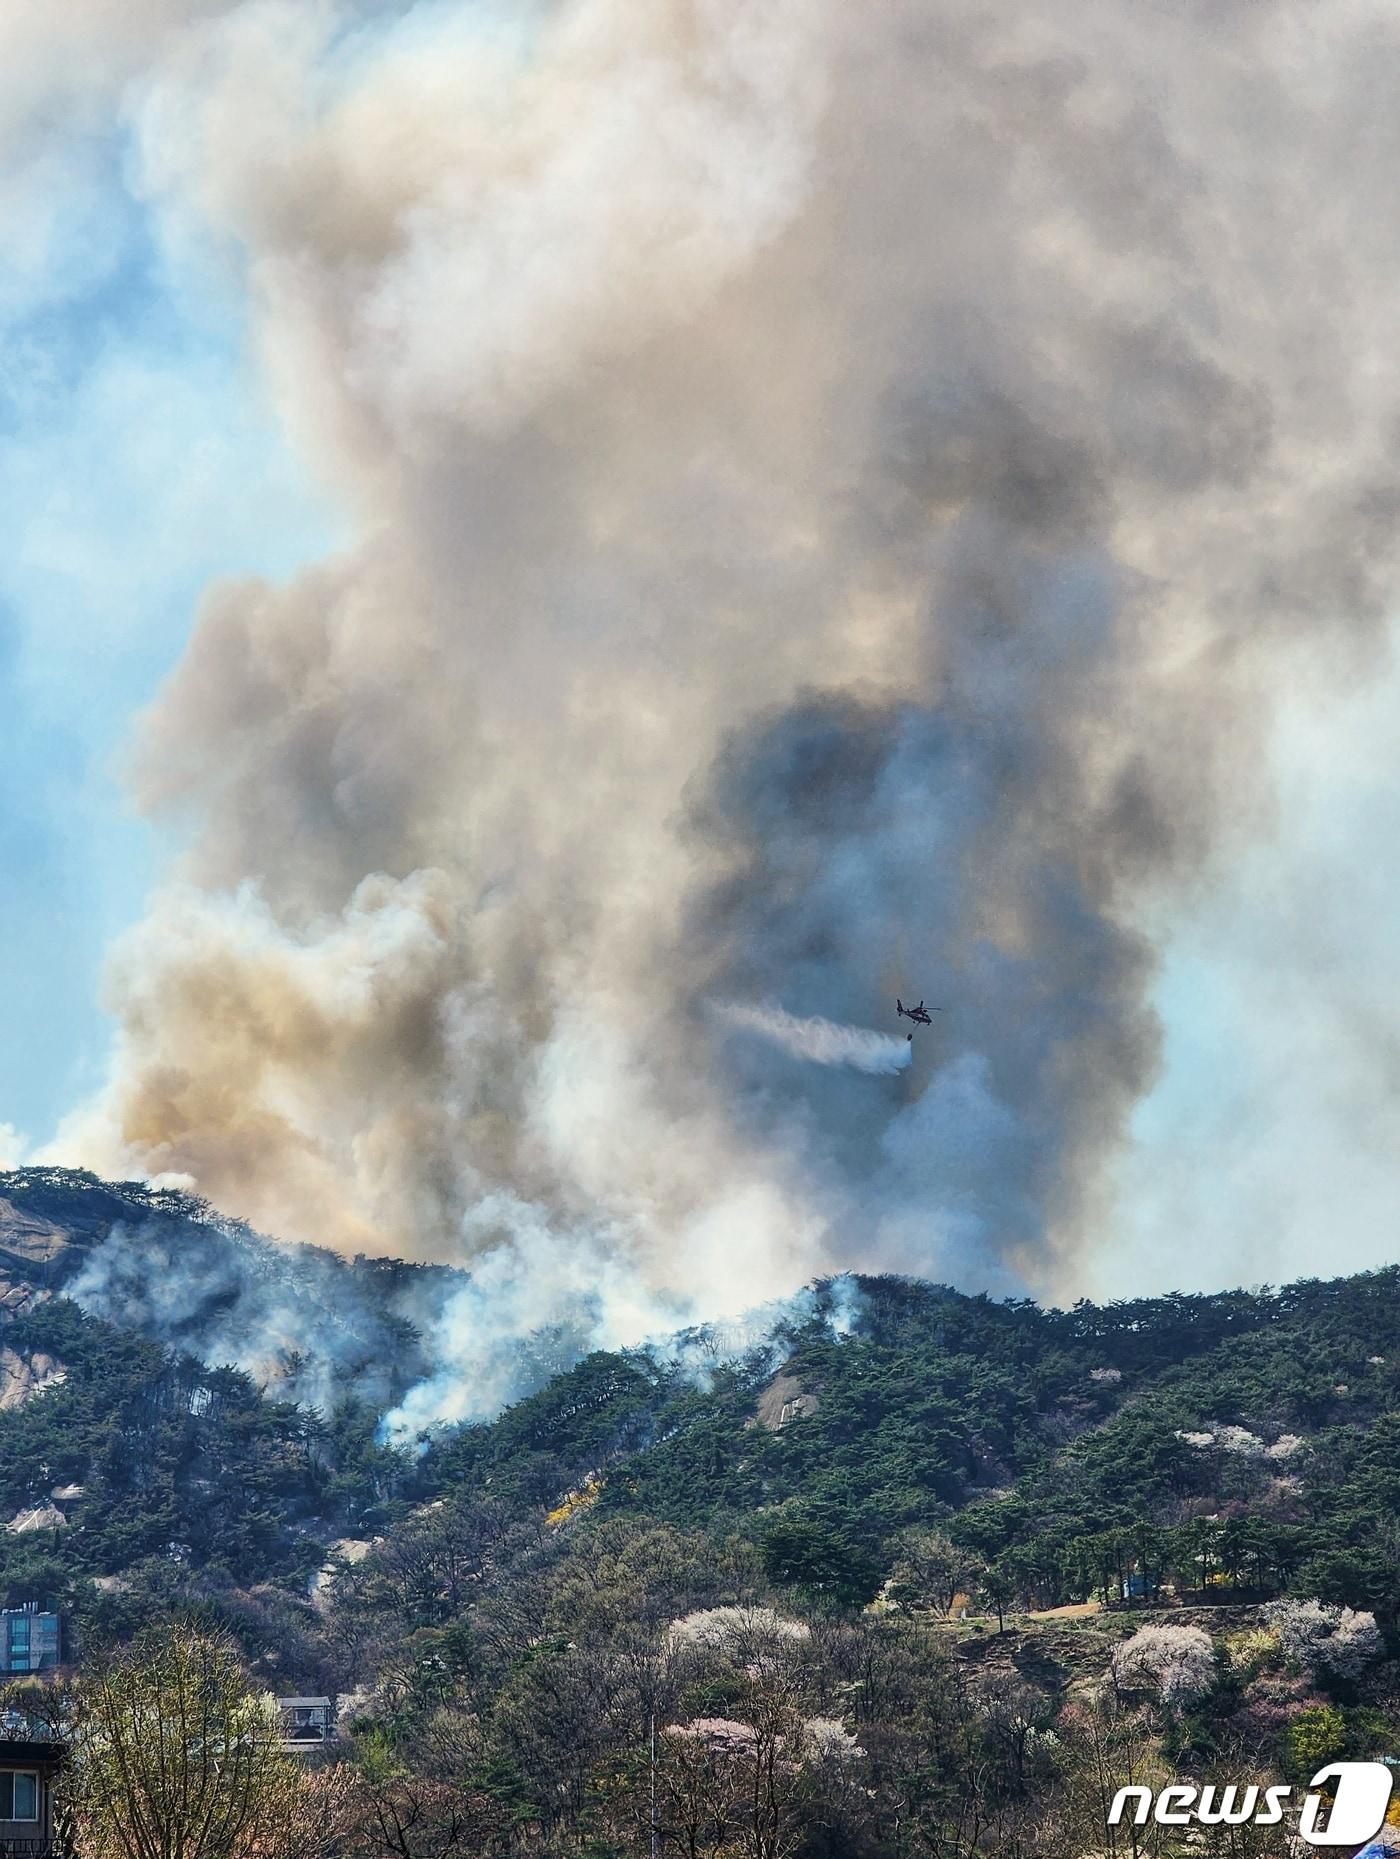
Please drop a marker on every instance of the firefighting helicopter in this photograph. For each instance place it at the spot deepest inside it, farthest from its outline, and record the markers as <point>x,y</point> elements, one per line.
<point>918,1014</point>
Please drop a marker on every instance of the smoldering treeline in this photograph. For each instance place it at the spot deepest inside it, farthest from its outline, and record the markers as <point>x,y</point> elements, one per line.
<point>312,1327</point>
<point>836,489</point>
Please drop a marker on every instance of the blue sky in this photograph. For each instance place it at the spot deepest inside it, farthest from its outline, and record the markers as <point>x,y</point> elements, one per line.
<point>137,463</point>
<point>1269,1143</point>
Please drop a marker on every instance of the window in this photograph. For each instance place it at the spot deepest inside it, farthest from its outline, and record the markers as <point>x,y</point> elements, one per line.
<point>19,1795</point>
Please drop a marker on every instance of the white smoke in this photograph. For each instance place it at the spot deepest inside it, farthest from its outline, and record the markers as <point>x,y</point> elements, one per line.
<point>532,1306</point>
<point>823,1042</point>
<point>493,1351</point>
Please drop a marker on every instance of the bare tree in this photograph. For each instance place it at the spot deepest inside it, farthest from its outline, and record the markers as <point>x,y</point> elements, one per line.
<point>175,1755</point>
<point>312,1813</point>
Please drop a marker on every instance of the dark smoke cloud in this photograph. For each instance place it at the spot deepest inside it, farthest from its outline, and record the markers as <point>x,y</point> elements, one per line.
<point>872,842</point>
<point>839,491</point>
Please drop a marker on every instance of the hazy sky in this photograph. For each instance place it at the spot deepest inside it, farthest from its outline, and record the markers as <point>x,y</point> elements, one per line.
<point>549,314</point>
<point>137,462</point>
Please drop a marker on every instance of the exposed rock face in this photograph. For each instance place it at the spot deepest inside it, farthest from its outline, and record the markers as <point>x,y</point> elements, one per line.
<point>50,1221</point>
<point>35,1256</point>
<point>783,1401</point>
<point>349,1549</point>
<point>29,1241</point>
<point>22,1377</point>
<point>42,1517</point>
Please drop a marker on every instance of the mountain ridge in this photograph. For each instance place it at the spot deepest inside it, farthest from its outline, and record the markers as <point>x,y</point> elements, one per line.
<point>307,1323</point>
<point>1224,1445</point>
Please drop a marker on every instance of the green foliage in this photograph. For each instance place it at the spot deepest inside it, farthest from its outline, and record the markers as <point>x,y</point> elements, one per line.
<point>1212,1448</point>
<point>516,1652</point>
<point>1315,1736</point>
<point>799,1552</point>
<point>1079,1451</point>
<point>179,1468</point>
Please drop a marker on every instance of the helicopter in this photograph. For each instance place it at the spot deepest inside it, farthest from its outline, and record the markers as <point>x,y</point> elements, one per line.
<point>919,1014</point>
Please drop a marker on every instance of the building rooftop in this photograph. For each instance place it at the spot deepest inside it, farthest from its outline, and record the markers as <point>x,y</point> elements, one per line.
<point>30,1752</point>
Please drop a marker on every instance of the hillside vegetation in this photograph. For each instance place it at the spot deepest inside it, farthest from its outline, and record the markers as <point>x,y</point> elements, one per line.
<point>912,1557</point>
<point>1236,1446</point>
<point>1244,1444</point>
<point>939,1585</point>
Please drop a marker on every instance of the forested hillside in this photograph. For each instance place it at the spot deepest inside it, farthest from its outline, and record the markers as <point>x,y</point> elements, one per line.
<point>1244,1443</point>
<point>926,1575</point>
<point>1241,1445</point>
<point>915,1545</point>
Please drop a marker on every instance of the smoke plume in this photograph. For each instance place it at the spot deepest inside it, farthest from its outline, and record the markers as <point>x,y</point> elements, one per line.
<point>836,493</point>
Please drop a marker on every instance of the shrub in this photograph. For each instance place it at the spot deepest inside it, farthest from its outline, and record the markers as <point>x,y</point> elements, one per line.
<point>735,1632</point>
<point>1315,1736</point>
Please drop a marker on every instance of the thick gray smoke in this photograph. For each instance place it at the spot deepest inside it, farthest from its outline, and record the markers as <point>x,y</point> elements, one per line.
<point>838,489</point>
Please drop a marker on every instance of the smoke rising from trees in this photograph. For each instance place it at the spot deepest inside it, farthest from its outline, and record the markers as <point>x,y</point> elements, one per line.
<point>835,492</point>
